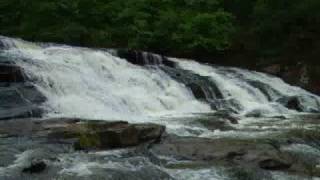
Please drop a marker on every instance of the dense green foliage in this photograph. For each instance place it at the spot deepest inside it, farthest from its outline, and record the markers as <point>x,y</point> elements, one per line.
<point>238,30</point>
<point>159,25</point>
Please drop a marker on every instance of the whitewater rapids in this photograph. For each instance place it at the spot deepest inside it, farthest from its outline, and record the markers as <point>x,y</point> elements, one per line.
<point>98,84</point>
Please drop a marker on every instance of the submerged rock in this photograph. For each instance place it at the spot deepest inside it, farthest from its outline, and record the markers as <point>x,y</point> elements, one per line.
<point>291,103</point>
<point>35,167</point>
<point>273,164</point>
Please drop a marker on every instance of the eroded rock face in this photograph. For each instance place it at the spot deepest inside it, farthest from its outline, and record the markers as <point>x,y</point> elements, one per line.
<point>19,98</point>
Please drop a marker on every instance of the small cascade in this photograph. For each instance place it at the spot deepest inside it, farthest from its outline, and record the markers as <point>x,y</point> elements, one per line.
<point>143,58</point>
<point>253,92</point>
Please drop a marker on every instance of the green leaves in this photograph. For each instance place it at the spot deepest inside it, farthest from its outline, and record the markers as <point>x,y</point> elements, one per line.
<point>161,26</point>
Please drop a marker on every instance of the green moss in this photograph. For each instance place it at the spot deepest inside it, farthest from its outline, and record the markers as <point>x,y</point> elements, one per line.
<point>89,141</point>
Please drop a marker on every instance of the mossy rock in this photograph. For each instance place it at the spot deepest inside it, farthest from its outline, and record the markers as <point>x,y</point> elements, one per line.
<point>88,141</point>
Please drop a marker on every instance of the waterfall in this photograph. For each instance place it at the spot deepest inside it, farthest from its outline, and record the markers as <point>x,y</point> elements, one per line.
<point>109,84</point>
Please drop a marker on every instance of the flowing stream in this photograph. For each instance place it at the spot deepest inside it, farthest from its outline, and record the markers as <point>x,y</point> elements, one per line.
<point>97,84</point>
<point>108,84</point>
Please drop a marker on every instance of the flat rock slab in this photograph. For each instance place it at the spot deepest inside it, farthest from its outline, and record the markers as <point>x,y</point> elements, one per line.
<point>244,153</point>
<point>86,134</point>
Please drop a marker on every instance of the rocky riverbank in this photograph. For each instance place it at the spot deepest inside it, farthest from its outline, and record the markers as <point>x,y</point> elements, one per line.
<point>92,149</point>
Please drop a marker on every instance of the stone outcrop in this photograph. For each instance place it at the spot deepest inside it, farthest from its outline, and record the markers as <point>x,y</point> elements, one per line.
<point>19,98</point>
<point>86,134</point>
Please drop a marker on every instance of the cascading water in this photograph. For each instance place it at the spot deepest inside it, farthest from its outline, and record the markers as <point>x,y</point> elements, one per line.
<point>253,91</point>
<point>93,84</point>
<point>97,84</point>
<point>227,106</point>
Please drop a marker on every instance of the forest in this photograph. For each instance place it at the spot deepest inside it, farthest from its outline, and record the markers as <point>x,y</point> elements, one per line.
<point>236,32</point>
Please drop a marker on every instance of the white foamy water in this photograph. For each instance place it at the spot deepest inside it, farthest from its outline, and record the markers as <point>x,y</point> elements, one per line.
<point>236,84</point>
<point>93,84</point>
<point>96,84</point>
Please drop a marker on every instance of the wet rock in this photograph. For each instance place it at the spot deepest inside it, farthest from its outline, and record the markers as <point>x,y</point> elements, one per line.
<point>202,87</point>
<point>149,132</point>
<point>254,113</point>
<point>227,115</point>
<point>279,117</point>
<point>274,164</point>
<point>118,136</point>
<point>20,101</point>
<point>197,91</point>
<point>11,73</point>
<point>18,97</point>
<point>247,153</point>
<point>266,89</point>
<point>215,124</point>
<point>1,44</point>
<point>294,103</point>
<point>35,167</point>
<point>291,103</point>
<point>144,58</point>
<point>86,134</point>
